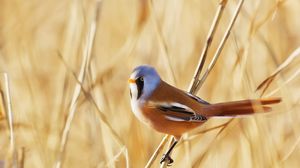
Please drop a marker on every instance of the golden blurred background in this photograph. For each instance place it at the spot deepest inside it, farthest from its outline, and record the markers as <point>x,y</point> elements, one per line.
<point>61,59</point>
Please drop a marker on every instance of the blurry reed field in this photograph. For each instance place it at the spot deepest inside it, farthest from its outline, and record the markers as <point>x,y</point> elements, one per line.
<point>68,62</point>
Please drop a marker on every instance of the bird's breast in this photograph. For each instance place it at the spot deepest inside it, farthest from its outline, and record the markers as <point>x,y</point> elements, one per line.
<point>137,111</point>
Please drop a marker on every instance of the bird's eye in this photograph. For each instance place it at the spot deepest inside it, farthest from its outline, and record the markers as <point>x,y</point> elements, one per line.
<point>140,86</point>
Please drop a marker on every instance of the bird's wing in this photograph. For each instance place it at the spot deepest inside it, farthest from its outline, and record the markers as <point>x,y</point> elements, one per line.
<point>198,99</point>
<point>177,112</point>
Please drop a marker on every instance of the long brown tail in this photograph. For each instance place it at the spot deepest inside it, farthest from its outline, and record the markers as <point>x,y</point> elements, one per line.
<point>242,107</point>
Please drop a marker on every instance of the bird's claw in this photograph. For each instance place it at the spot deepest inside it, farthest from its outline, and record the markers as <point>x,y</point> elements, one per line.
<point>166,158</point>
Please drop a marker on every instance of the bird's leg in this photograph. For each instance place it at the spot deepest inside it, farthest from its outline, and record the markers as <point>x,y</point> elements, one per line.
<point>166,157</point>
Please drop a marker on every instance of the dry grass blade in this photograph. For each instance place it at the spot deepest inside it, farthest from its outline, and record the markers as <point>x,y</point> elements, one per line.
<point>215,140</point>
<point>213,128</point>
<point>176,33</point>
<point>171,74</point>
<point>130,43</point>
<point>207,44</point>
<point>22,157</point>
<point>195,81</point>
<point>100,115</point>
<point>162,43</point>
<point>220,47</point>
<point>292,77</point>
<point>126,157</point>
<point>293,148</point>
<point>115,158</point>
<point>270,15</point>
<point>222,126</point>
<point>77,90</point>
<point>165,164</point>
<point>6,98</point>
<point>264,85</point>
<point>187,150</point>
<point>157,151</point>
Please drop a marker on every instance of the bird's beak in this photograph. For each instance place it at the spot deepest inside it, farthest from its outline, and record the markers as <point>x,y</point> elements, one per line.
<point>131,80</point>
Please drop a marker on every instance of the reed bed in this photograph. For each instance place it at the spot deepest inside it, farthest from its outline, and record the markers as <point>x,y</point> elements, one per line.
<point>64,68</point>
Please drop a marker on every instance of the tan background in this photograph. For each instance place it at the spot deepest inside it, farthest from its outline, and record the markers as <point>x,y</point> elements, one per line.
<point>34,33</point>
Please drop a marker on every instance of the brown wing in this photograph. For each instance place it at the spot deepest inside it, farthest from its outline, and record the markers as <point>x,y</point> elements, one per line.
<point>176,112</point>
<point>167,93</point>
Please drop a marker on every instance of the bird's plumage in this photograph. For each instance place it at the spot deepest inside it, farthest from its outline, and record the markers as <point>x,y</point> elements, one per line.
<point>173,111</point>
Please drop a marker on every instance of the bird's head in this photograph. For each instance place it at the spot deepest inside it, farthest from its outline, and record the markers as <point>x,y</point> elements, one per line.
<point>143,81</point>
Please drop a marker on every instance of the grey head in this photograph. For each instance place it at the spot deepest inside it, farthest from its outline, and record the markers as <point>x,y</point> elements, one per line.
<point>143,81</point>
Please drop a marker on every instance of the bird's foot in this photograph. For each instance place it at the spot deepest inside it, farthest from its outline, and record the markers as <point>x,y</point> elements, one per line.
<point>166,158</point>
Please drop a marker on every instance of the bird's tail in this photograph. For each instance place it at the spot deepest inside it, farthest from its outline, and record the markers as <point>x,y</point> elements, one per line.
<point>242,107</point>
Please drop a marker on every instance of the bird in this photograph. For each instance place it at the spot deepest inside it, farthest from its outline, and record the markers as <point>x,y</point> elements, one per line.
<point>173,111</point>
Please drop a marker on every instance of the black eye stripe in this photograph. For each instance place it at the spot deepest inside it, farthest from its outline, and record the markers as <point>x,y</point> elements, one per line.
<point>140,86</point>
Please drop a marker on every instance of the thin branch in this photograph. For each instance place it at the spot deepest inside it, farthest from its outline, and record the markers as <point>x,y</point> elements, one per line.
<point>220,47</point>
<point>207,44</point>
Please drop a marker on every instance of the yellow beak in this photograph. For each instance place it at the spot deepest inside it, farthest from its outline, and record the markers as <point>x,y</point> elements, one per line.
<point>131,80</point>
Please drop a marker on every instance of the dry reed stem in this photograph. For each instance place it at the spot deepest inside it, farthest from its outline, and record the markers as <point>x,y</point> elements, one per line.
<point>220,47</point>
<point>187,150</point>
<point>271,13</point>
<point>128,47</point>
<point>86,57</point>
<point>157,151</point>
<point>212,128</point>
<point>6,98</point>
<point>115,158</point>
<point>253,29</point>
<point>102,117</point>
<point>170,71</point>
<point>265,83</point>
<point>292,149</point>
<point>164,47</point>
<point>207,44</point>
<point>99,113</point>
<point>215,140</point>
<point>165,164</point>
<point>33,88</point>
<point>89,97</point>
<point>103,132</point>
<point>195,83</point>
<point>216,56</point>
<point>22,157</point>
<point>162,42</point>
<point>288,80</point>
